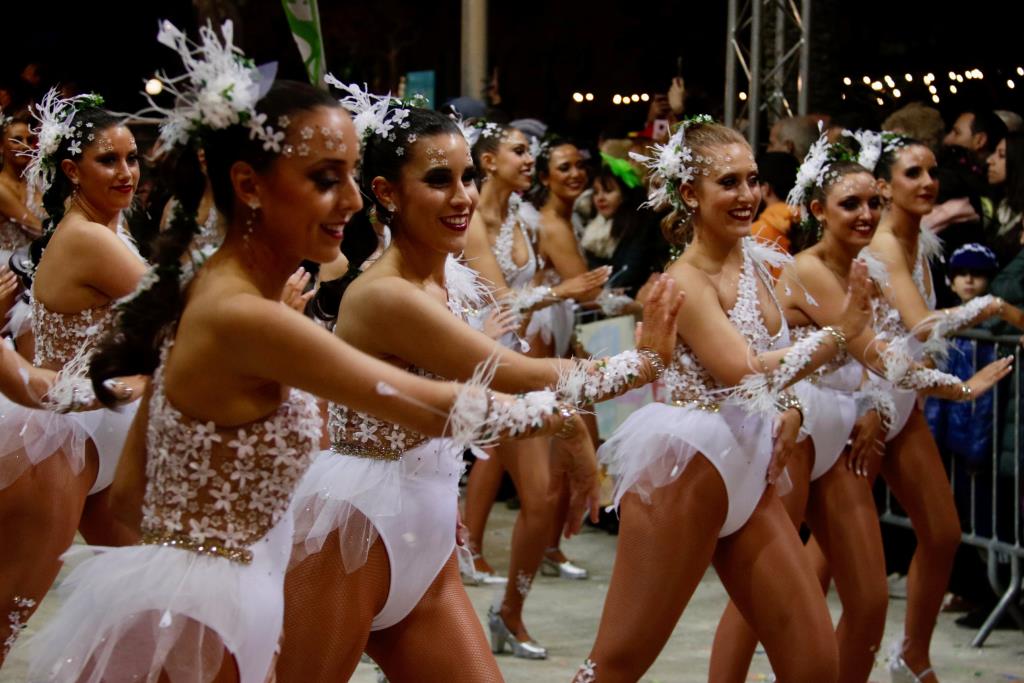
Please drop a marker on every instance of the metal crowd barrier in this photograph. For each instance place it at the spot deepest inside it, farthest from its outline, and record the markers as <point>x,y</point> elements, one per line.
<point>997,529</point>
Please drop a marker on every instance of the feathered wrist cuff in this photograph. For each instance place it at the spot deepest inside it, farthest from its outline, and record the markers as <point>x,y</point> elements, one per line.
<point>589,382</point>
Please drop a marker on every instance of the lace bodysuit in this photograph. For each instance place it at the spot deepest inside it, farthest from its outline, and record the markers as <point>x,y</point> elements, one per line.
<point>217,490</point>
<point>516,277</point>
<point>888,323</point>
<point>61,337</point>
<point>688,382</point>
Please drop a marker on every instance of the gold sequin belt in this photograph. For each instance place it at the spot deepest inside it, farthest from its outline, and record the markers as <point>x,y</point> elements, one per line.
<point>167,540</point>
<point>371,451</point>
<point>700,404</point>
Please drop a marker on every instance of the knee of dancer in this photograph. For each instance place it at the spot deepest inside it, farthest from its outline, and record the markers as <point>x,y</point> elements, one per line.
<point>865,617</point>
<point>819,664</point>
<point>941,542</point>
<point>539,507</point>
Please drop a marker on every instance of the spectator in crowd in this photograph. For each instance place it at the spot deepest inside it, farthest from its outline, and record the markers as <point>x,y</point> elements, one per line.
<point>963,430</point>
<point>978,131</point>
<point>621,234</point>
<point>777,173</point>
<point>918,121</point>
<point>1006,176</point>
<point>793,134</point>
<point>1011,119</point>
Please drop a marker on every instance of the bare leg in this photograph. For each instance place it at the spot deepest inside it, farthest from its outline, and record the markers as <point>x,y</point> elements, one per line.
<point>440,640</point>
<point>530,468</point>
<point>914,471</point>
<point>39,513</point>
<point>481,490</point>
<point>328,613</point>
<point>841,513</point>
<point>560,485</point>
<point>735,640</point>
<point>764,568</point>
<point>664,550</point>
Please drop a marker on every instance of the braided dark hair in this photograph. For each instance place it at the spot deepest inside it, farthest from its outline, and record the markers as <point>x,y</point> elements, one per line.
<point>385,158</point>
<point>134,347</point>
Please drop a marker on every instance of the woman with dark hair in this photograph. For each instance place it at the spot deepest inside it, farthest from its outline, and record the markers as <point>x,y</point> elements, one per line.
<point>220,441</point>
<point>376,516</point>
<point>19,224</point>
<point>1006,171</point>
<point>57,462</point>
<point>899,256</point>
<point>503,246</point>
<point>623,234</point>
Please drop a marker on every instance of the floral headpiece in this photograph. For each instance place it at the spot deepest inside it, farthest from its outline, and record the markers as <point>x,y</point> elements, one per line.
<point>220,88</point>
<point>4,120</point>
<point>378,115</point>
<point>872,145</point>
<point>815,170</point>
<point>672,164</point>
<point>56,117</point>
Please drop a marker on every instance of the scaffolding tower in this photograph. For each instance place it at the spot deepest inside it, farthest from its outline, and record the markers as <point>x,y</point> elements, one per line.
<point>770,42</point>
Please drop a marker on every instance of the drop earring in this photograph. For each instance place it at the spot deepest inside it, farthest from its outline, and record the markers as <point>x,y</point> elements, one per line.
<point>250,222</point>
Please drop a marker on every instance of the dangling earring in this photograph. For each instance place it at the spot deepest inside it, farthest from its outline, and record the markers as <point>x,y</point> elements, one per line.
<point>254,207</point>
<point>821,229</point>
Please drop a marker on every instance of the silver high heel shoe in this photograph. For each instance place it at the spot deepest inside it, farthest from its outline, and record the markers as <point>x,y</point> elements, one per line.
<point>899,670</point>
<point>566,570</point>
<point>501,636</point>
<point>471,576</point>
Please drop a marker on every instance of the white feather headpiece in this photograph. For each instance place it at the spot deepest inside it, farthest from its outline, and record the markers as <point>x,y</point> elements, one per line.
<point>220,88</point>
<point>56,117</point>
<point>371,114</point>
<point>671,164</point>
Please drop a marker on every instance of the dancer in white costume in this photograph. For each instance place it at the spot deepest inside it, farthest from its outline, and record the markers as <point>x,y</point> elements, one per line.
<point>841,203</point>
<point>221,441</point>
<point>19,224</point>
<point>912,467</point>
<point>384,497</point>
<point>502,245</point>
<point>56,462</point>
<point>694,476</point>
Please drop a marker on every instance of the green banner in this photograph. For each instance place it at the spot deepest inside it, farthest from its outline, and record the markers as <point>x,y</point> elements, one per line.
<point>304,21</point>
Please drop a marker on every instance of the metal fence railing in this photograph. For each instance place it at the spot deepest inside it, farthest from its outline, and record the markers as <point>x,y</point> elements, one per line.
<point>989,491</point>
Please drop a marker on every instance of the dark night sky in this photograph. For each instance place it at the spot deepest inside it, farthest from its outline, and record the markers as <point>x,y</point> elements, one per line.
<point>543,50</point>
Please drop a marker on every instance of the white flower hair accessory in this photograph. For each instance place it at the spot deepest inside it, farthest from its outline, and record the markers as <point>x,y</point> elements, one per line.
<point>672,164</point>
<point>872,145</point>
<point>220,88</point>
<point>371,114</point>
<point>811,173</point>
<point>56,117</point>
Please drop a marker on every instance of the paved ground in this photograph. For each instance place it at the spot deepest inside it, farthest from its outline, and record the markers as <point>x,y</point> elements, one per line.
<point>563,615</point>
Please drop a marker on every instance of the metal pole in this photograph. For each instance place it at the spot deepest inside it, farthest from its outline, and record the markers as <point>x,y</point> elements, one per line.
<point>805,57</point>
<point>473,70</point>
<point>755,72</point>
<point>730,66</point>
<point>779,88</point>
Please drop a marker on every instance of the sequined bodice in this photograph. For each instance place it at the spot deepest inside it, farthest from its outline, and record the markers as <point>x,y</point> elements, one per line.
<point>687,381</point>
<point>365,436</point>
<point>12,236</point>
<point>888,323</point>
<point>217,490</point>
<point>516,276</point>
<point>60,337</point>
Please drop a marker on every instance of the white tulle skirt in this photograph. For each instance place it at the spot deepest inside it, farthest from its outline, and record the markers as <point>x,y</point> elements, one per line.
<point>654,445</point>
<point>554,325</point>
<point>410,504</point>
<point>30,435</point>
<point>829,415</point>
<point>126,614</point>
